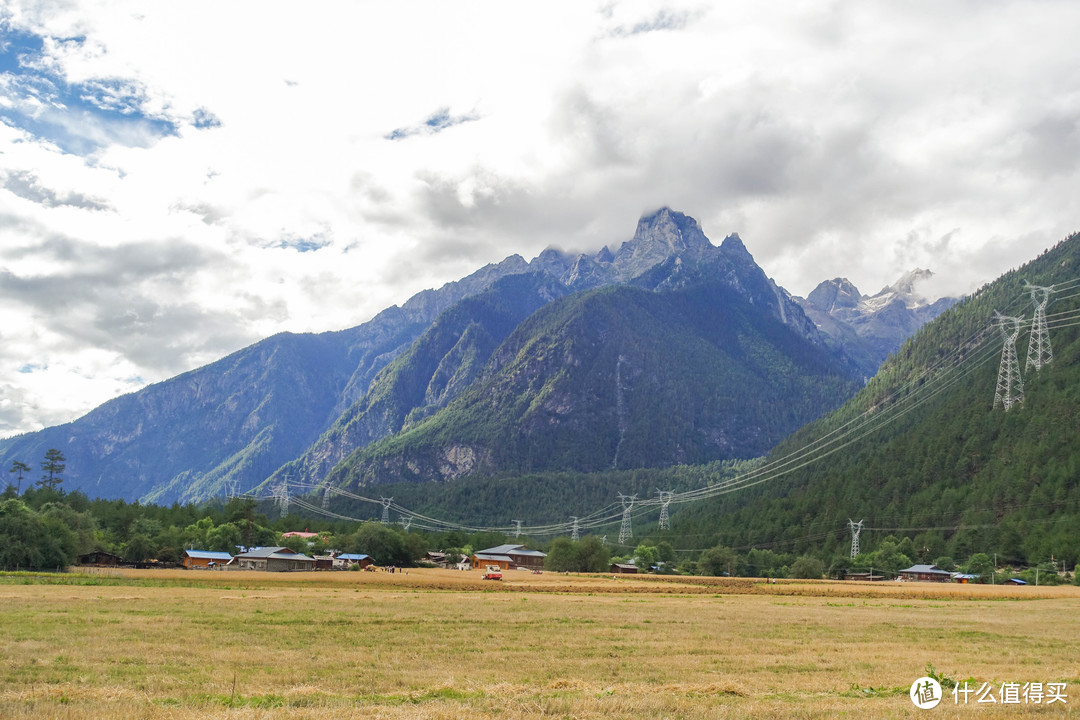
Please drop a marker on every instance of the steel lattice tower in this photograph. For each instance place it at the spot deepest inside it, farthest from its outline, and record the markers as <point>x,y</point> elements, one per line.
<point>856,528</point>
<point>1010,386</point>
<point>326,497</point>
<point>575,534</point>
<point>282,495</point>
<point>626,531</point>
<point>665,500</point>
<point>517,528</point>
<point>1039,351</point>
<point>405,523</point>
<point>386,509</point>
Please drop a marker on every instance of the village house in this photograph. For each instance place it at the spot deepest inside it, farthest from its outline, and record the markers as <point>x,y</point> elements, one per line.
<point>510,557</point>
<point>862,575</point>
<point>926,573</point>
<point>342,561</point>
<point>623,568</point>
<point>205,559</point>
<point>272,559</point>
<point>101,558</point>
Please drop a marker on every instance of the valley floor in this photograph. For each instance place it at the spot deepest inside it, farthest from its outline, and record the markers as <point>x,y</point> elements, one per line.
<point>446,644</point>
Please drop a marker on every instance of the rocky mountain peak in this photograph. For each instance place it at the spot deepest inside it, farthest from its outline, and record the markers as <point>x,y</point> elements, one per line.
<point>833,294</point>
<point>733,246</point>
<point>907,282</point>
<point>659,236</point>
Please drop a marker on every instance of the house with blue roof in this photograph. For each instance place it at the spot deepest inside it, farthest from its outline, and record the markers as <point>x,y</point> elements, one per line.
<point>205,559</point>
<point>342,561</point>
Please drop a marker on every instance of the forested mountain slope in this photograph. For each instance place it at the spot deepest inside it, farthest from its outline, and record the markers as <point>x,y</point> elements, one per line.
<point>621,378</point>
<point>922,451</point>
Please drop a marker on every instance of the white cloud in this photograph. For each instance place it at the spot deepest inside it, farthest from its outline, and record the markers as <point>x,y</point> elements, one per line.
<point>180,179</point>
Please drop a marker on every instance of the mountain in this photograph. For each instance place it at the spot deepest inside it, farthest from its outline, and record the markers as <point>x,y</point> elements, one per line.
<point>232,423</point>
<point>668,250</point>
<point>868,328</point>
<point>715,364</point>
<point>295,405</point>
<point>434,370</point>
<point>924,451</point>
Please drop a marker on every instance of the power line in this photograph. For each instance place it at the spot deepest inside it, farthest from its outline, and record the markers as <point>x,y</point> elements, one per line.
<point>923,387</point>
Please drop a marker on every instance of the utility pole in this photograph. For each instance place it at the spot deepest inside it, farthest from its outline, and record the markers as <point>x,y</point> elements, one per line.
<point>665,500</point>
<point>626,531</point>
<point>386,509</point>
<point>1010,386</point>
<point>1039,351</point>
<point>856,528</point>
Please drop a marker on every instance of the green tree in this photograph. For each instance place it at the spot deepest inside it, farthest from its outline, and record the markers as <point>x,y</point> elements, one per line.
<point>980,564</point>
<point>562,556</point>
<point>223,538</point>
<point>19,468</point>
<point>295,543</point>
<point>139,548</point>
<point>718,560</point>
<point>53,465</point>
<point>29,541</point>
<point>645,556</point>
<point>384,545</point>
<point>593,555</point>
<point>665,552</point>
<point>807,567</point>
<point>195,534</point>
<point>945,563</point>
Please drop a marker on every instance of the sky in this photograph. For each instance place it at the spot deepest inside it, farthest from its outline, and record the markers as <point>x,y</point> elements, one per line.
<point>181,179</point>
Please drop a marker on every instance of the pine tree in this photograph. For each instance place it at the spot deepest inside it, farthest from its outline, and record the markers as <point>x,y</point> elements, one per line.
<point>53,465</point>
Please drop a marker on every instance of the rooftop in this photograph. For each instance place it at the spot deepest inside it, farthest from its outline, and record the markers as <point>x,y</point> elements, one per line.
<point>208,555</point>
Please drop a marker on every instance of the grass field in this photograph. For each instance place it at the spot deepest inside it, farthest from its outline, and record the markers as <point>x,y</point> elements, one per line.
<point>444,644</point>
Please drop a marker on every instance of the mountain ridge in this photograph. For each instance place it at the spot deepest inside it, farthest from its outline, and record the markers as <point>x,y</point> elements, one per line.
<point>230,425</point>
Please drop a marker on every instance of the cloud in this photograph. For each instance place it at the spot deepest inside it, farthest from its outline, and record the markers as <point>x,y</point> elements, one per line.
<point>28,186</point>
<point>435,123</point>
<point>162,207</point>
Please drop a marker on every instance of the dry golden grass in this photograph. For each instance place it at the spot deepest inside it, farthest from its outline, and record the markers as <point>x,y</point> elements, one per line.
<point>443,644</point>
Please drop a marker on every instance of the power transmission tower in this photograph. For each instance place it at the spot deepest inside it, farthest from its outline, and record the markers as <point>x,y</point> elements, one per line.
<point>1010,386</point>
<point>625,530</point>
<point>517,531</point>
<point>405,523</point>
<point>386,509</point>
<point>326,497</point>
<point>856,528</point>
<point>282,495</point>
<point>1039,351</point>
<point>575,535</point>
<point>665,500</point>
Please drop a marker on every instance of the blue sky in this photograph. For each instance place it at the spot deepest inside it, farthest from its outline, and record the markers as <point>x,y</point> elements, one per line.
<point>178,180</point>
